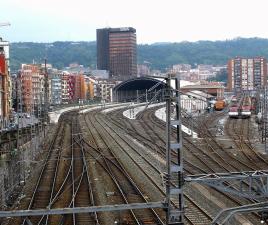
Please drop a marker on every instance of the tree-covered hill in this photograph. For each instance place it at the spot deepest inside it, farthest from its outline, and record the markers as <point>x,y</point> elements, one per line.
<point>59,54</point>
<point>160,56</point>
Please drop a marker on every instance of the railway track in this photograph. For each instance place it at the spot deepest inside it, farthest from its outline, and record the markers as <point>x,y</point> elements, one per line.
<point>68,178</point>
<point>126,186</point>
<point>64,179</point>
<point>193,208</point>
<point>43,188</point>
<point>81,188</point>
<point>238,131</point>
<point>187,165</point>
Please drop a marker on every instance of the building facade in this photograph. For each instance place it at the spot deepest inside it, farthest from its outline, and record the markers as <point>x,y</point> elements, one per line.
<point>106,89</point>
<point>26,86</point>
<point>143,70</point>
<point>5,84</point>
<point>80,88</point>
<point>31,88</point>
<point>37,88</point>
<point>71,87</point>
<point>246,73</point>
<point>65,88</point>
<point>56,91</point>
<point>205,72</point>
<point>117,52</point>
<point>4,92</point>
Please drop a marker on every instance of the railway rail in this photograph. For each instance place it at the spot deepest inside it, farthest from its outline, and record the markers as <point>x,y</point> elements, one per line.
<point>63,180</point>
<point>192,207</point>
<point>239,131</point>
<point>126,186</point>
<point>87,148</point>
<point>188,165</point>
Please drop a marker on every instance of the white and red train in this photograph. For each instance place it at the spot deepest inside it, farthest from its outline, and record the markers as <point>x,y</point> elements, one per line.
<point>240,108</point>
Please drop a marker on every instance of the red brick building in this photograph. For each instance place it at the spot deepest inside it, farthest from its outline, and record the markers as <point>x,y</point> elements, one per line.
<point>4,92</point>
<point>71,87</point>
<point>31,84</point>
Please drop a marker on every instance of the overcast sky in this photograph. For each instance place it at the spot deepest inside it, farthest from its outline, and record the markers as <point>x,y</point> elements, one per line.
<point>154,20</point>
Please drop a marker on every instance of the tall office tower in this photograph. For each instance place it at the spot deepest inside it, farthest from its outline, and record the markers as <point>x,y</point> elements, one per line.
<point>246,73</point>
<point>117,52</point>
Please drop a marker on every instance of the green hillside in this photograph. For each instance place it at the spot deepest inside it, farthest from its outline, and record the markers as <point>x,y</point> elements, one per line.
<point>160,56</point>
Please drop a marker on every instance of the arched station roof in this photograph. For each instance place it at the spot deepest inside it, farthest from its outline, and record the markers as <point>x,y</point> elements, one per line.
<point>138,83</point>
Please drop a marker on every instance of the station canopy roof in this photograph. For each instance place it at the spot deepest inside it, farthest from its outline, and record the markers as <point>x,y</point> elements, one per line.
<point>143,83</point>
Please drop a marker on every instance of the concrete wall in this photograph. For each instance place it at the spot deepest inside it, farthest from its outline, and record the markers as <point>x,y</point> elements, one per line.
<point>15,167</point>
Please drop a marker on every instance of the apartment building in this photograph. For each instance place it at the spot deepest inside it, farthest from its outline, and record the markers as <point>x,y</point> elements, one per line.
<point>92,88</point>
<point>65,88</point>
<point>26,86</point>
<point>31,85</point>
<point>105,90</point>
<point>37,88</point>
<point>205,72</point>
<point>246,73</point>
<point>5,84</point>
<point>56,89</point>
<point>80,88</point>
<point>181,68</point>
<point>4,92</point>
<point>71,87</point>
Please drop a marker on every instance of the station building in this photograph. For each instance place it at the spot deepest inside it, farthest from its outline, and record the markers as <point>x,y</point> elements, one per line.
<point>213,90</point>
<point>194,98</point>
<point>138,89</point>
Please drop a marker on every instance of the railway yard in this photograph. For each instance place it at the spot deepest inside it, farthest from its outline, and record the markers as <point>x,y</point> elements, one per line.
<point>97,157</point>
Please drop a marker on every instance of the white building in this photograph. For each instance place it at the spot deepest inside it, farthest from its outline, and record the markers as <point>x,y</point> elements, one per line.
<point>101,74</point>
<point>56,85</point>
<point>194,101</point>
<point>106,90</point>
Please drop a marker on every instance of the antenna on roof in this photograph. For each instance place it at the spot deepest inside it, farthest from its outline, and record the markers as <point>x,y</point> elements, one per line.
<point>107,24</point>
<point>5,24</point>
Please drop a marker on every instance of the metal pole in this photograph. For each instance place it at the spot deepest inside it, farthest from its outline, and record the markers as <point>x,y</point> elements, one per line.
<point>179,149</point>
<point>168,161</point>
<point>46,93</point>
<point>18,112</point>
<point>265,117</point>
<point>191,119</point>
<point>20,124</point>
<point>174,176</point>
<point>262,112</point>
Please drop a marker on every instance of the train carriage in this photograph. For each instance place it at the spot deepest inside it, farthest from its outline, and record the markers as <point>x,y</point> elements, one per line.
<point>233,108</point>
<point>245,111</point>
<point>219,105</point>
<point>245,108</point>
<point>233,111</point>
